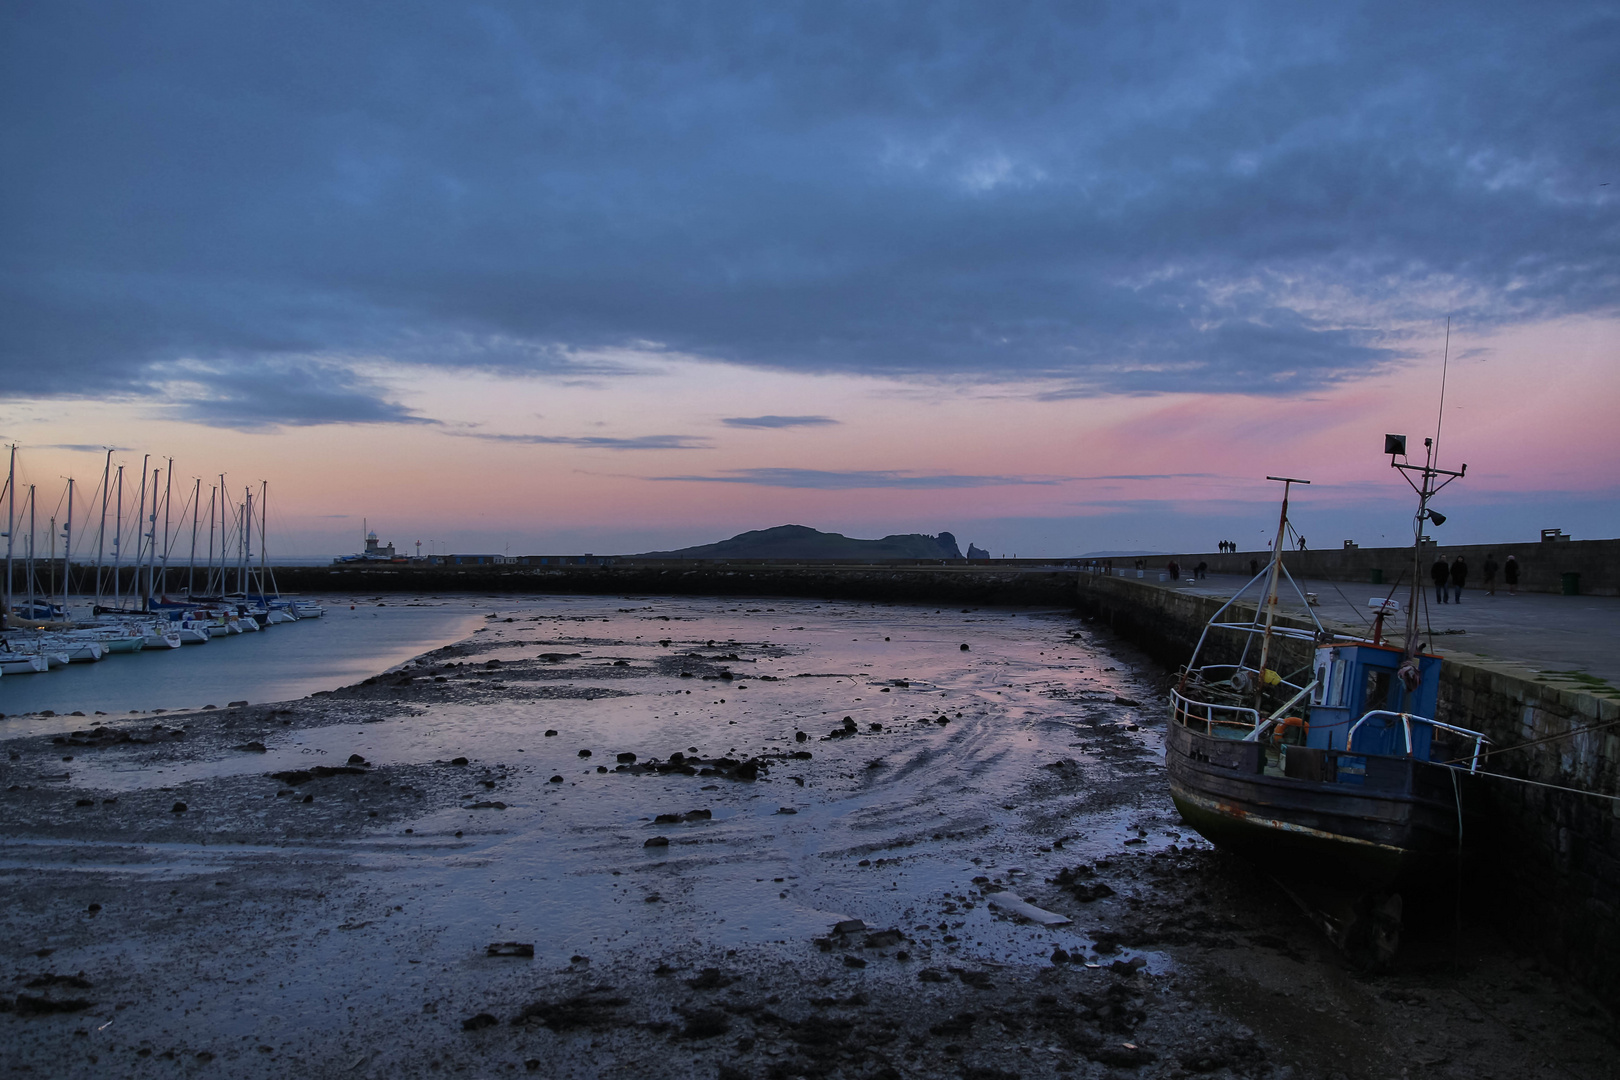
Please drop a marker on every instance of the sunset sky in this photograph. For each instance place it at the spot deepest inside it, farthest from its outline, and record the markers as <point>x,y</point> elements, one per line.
<point>614,278</point>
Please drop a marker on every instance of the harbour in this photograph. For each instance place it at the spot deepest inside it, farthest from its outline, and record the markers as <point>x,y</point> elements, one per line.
<point>393,837</point>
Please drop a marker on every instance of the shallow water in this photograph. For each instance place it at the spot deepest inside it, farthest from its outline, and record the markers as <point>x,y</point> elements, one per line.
<point>285,661</point>
<point>890,825</point>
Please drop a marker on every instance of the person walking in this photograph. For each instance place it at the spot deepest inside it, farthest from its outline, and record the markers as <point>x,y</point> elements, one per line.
<point>1302,543</point>
<point>1510,575</point>
<point>1489,568</point>
<point>1459,578</point>
<point>1440,573</point>
<point>1201,571</point>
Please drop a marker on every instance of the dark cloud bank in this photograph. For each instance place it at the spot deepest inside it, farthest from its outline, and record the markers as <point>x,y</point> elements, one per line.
<point>1119,198</point>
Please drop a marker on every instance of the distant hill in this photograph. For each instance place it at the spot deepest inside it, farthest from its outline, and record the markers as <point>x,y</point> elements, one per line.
<point>803,542</point>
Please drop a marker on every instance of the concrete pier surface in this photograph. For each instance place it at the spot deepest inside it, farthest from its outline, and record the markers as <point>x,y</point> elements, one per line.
<point>1538,635</point>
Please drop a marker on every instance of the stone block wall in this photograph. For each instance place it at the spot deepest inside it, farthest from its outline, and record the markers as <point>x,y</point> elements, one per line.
<point>1541,565</point>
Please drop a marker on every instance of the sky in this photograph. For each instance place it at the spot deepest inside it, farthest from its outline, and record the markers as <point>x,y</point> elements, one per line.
<point>609,277</point>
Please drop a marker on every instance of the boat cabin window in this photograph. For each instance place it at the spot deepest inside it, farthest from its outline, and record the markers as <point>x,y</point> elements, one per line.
<point>1330,684</point>
<point>1378,684</point>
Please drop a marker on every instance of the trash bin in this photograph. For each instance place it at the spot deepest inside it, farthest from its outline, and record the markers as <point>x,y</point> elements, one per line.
<point>1572,584</point>
<point>1377,576</point>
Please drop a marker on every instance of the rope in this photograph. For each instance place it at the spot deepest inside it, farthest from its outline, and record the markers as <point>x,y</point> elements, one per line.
<point>1539,783</point>
<point>1534,742</point>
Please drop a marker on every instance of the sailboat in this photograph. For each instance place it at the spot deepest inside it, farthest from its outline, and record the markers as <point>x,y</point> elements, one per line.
<point>1317,754</point>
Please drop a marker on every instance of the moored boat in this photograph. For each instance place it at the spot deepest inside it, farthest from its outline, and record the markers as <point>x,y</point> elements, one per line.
<point>1318,755</point>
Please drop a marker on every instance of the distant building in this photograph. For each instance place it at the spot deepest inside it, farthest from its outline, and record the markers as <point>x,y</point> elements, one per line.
<point>375,551</point>
<point>475,560</point>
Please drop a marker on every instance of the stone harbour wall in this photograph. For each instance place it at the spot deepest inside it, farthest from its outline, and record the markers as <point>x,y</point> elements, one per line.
<point>1542,566</point>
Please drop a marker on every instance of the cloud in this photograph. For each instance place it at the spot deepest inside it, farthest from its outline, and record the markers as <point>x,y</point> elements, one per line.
<point>846,481</point>
<point>777,421</point>
<point>267,394</point>
<point>596,442</point>
<point>1225,198</point>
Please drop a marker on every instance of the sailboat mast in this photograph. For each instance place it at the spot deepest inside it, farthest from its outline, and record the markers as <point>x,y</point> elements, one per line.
<point>213,497</point>
<point>30,556</point>
<point>264,526</point>
<point>168,487</point>
<point>101,532</point>
<point>151,551</point>
<point>118,545</point>
<point>140,526</point>
<point>67,548</point>
<point>11,529</point>
<point>191,563</point>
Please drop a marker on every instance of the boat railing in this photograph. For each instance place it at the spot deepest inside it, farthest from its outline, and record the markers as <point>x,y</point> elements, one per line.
<point>1212,713</point>
<point>1407,720</point>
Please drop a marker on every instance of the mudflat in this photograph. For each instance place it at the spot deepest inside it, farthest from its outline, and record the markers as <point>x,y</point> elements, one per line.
<point>652,837</point>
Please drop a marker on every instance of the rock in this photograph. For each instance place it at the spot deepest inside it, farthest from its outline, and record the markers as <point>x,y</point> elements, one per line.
<point>710,979</point>
<point>1119,700</point>
<point>479,1022</point>
<point>849,926</point>
<point>1012,905</point>
<point>706,1024</point>
<point>698,815</point>
<point>666,819</point>
<point>584,753</point>
<point>85,802</point>
<point>556,780</point>
<point>656,841</point>
<point>591,1009</point>
<point>33,1005</point>
<point>627,758</point>
<point>1060,955</point>
<point>236,704</point>
<point>458,761</point>
<point>178,808</point>
<point>854,962</point>
<point>786,810</point>
<point>964,647</point>
<point>254,747</point>
<point>882,939</point>
<point>356,759</point>
<point>521,949</point>
<point>550,732</point>
<point>799,736</point>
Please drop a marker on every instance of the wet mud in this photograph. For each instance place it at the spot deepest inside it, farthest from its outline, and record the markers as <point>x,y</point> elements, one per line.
<point>675,837</point>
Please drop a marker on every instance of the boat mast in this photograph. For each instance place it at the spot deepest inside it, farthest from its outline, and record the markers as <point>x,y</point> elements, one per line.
<point>140,524</point>
<point>168,486</point>
<point>118,545</point>
<point>67,549</point>
<point>151,550</point>
<point>264,526</point>
<point>1276,573</point>
<point>1426,488</point>
<point>30,556</point>
<point>224,533</point>
<point>191,563</point>
<point>11,528</point>
<point>213,497</point>
<point>101,533</point>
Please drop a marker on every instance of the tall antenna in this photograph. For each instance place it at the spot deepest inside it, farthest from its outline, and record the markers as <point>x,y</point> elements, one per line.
<point>1444,362</point>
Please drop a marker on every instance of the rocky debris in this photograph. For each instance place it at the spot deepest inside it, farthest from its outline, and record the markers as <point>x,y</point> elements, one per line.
<point>627,758</point>
<point>484,806</point>
<point>254,747</point>
<point>298,777</point>
<point>236,704</point>
<point>656,841</point>
<point>710,979</point>
<point>747,770</point>
<point>178,808</point>
<point>356,759</point>
<point>510,948</point>
<point>558,657</point>
<point>595,1008</point>
<point>705,1024</point>
<point>479,1022</point>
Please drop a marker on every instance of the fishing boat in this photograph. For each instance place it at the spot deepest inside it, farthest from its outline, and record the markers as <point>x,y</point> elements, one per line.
<point>1317,754</point>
